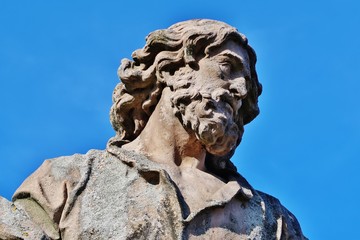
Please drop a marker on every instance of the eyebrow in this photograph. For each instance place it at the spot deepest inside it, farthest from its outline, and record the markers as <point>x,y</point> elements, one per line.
<point>235,58</point>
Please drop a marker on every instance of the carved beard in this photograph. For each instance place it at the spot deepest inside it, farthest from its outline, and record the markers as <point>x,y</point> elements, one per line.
<point>210,116</point>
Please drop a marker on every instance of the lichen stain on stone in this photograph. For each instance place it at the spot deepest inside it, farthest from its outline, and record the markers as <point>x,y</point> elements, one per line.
<point>13,207</point>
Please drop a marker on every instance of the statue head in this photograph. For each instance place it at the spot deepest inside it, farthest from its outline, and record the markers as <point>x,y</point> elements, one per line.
<point>171,59</point>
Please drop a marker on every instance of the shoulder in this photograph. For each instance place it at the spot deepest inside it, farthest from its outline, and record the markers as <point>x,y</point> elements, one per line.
<point>286,224</point>
<point>74,161</point>
<point>58,172</point>
<point>72,166</point>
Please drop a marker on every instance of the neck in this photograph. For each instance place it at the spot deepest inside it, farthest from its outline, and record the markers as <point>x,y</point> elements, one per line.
<point>164,140</point>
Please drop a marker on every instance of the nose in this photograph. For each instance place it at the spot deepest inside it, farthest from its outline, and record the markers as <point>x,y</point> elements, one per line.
<point>238,87</point>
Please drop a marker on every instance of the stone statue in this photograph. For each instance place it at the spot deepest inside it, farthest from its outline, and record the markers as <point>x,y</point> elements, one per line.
<point>179,113</point>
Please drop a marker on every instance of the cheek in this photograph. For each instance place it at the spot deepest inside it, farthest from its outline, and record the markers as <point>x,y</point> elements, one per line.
<point>209,70</point>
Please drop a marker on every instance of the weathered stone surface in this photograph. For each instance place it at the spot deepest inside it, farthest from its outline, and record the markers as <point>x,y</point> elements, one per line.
<point>179,114</point>
<point>15,223</point>
<point>118,194</point>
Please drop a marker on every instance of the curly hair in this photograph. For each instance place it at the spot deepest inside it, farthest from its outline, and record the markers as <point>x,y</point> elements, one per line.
<point>184,43</point>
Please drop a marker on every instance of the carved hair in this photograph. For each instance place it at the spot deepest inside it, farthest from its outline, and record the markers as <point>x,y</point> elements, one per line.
<point>182,44</point>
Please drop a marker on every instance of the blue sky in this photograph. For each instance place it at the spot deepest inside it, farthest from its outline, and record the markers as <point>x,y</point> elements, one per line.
<point>58,62</point>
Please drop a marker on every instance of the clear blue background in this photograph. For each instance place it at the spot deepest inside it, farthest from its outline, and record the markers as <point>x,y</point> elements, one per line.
<point>58,62</point>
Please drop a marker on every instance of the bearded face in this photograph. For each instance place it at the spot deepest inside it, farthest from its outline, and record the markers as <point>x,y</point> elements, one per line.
<point>207,100</point>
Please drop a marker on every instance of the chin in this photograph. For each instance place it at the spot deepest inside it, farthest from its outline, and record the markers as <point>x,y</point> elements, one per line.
<point>219,138</point>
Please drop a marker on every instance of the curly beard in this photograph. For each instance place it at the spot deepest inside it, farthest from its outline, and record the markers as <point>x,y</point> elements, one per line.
<point>211,116</point>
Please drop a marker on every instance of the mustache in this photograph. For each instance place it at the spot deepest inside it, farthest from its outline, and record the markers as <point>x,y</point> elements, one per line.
<point>209,100</point>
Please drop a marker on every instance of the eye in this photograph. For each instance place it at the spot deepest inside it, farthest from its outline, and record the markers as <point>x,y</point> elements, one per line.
<point>226,68</point>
